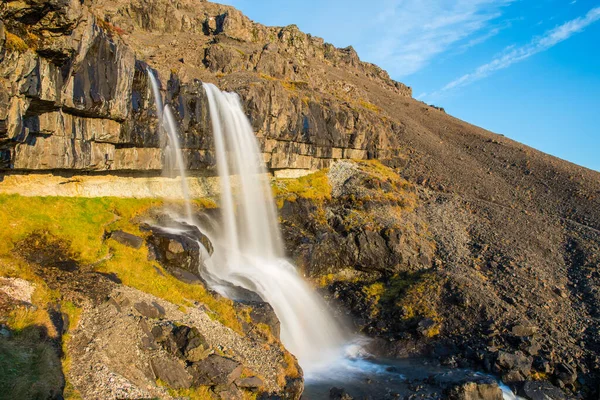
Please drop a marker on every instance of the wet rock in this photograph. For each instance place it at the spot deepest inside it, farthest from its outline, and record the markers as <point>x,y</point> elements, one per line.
<point>475,391</point>
<point>339,394</point>
<point>172,372</point>
<point>178,252</point>
<point>215,370</point>
<point>127,239</point>
<point>541,390</point>
<point>153,310</point>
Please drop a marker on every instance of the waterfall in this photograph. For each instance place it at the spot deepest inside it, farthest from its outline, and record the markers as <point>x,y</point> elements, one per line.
<point>173,156</point>
<point>248,250</point>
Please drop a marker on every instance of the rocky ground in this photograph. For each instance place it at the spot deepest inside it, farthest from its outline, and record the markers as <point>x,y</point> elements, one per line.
<point>470,283</point>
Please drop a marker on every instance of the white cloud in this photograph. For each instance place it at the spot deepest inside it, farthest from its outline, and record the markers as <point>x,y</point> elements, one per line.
<point>412,32</point>
<point>514,54</point>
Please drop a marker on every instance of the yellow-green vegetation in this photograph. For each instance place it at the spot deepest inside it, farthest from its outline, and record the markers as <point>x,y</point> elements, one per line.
<point>294,86</point>
<point>205,203</point>
<point>194,393</point>
<point>80,223</point>
<point>15,43</point>
<point>314,187</point>
<point>369,106</point>
<point>539,376</point>
<point>374,293</point>
<point>289,371</point>
<point>291,86</point>
<point>416,294</point>
<point>265,332</point>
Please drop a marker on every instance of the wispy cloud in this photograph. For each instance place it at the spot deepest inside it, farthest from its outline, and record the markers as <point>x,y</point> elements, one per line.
<point>513,54</point>
<point>412,32</point>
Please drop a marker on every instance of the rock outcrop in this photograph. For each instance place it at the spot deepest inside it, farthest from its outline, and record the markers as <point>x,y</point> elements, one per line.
<point>75,93</point>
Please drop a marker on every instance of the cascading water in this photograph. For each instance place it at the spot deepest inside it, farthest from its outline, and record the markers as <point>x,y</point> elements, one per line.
<point>248,252</point>
<point>247,246</point>
<point>173,157</point>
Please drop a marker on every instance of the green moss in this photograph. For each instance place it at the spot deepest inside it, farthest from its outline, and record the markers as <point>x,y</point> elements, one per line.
<point>416,294</point>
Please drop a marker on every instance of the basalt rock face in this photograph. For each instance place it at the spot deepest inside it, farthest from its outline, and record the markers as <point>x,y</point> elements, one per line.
<point>75,95</point>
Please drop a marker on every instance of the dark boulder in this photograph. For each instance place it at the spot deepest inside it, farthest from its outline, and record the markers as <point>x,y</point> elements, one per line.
<point>263,313</point>
<point>127,239</point>
<point>180,254</point>
<point>541,390</point>
<point>215,370</point>
<point>172,372</point>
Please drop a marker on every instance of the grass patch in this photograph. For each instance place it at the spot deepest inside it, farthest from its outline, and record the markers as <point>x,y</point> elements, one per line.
<point>314,187</point>
<point>369,106</point>
<point>416,294</point>
<point>196,393</point>
<point>80,223</point>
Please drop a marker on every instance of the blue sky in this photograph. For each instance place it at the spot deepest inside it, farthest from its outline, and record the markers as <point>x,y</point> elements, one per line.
<point>528,69</point>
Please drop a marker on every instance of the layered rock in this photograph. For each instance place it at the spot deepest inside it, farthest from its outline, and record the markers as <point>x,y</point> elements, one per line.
<point>75,93</point>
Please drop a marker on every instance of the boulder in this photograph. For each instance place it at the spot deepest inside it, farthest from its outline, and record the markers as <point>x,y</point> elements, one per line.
<point>127,239</point>
<point>263,313</point>
<point>514,365</point>
<point>524,330</point>
<point>215,370</point>
<point>541,390</point>
<point>252,382</point>
<point>483,390</point>
<point>150,310</point>
<point>172,372</point>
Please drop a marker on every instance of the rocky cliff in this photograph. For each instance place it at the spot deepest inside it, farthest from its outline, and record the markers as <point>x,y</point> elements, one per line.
<point>75,93</point>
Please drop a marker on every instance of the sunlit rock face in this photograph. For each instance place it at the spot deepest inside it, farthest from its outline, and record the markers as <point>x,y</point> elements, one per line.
<point>74,93</point>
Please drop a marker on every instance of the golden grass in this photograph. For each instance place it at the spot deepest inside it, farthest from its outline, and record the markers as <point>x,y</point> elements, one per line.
<point>314,187</point>
<point>80,223</point>
<point>369,106</point>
